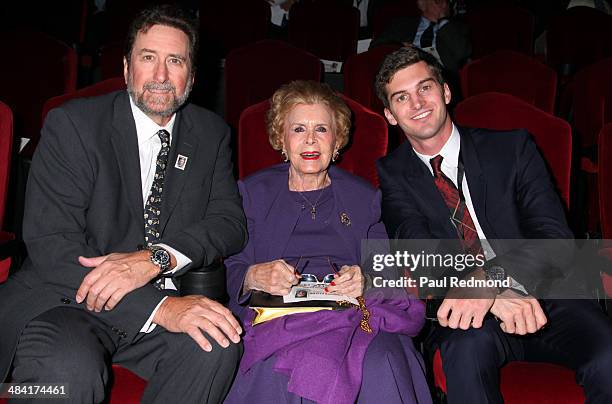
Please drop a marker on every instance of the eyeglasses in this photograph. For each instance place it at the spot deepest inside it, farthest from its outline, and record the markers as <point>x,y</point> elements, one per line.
<point>314,278</point>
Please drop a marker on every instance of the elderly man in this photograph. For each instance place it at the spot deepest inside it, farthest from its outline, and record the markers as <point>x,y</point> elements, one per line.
<point>127,191</point>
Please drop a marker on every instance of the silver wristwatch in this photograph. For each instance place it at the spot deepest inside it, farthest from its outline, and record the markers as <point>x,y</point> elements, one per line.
<point>160,257</point>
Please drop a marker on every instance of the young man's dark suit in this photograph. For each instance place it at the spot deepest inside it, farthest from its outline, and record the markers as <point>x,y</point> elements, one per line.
<point>84,197</point>
<point>513,198</point>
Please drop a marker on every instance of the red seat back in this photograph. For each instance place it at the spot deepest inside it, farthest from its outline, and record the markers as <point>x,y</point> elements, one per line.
<point>512,73</point>
<point>528,383</point>
<point>578,37</point>
<point>500,27</point>
<point>111,60</point>
<point>552,135</point>
<point>359,74</point>
<point>328,29</point>
<point>254,72</point>
<point>102,87</point>
<point>47,68</point>
<point>127,387</point>
<point>592,102</point>
<point>387,12</point>
<point>229,25</point>
<point>368,142</point>
<point>605,180</point>
<point>6,149</point>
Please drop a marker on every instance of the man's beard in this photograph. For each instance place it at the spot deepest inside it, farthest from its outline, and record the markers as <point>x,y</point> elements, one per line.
<point>139,99</point>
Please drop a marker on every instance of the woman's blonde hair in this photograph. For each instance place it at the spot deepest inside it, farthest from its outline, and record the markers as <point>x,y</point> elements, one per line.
<point>308,93</point>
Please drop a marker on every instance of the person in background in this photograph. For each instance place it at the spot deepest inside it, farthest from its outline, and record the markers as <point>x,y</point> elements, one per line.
<point>435,31</point>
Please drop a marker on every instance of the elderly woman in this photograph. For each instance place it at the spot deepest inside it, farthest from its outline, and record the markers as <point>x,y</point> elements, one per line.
<point>307,216</point>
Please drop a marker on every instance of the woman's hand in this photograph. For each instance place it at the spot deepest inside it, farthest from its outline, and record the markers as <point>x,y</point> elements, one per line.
<point>275,277</point>
<point>349,281</point>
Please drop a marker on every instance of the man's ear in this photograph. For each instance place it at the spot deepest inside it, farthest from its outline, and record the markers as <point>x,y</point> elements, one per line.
<point>125,69</point>
<point>447,93</point>
<point>390,117</point>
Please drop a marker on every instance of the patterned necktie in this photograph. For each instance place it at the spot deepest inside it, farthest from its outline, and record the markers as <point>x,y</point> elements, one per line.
<point>153,206</point>
<point>428,36</point>
<point>460,215</point>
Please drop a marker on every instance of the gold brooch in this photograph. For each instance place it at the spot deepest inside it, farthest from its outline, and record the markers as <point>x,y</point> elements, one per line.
<point>344,219</point>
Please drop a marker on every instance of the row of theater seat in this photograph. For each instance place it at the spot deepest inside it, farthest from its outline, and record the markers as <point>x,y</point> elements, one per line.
<point>576,38</point>
<point>490,110</point>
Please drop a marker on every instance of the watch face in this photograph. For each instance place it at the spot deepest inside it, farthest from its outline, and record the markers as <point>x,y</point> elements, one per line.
<point>162,257</point>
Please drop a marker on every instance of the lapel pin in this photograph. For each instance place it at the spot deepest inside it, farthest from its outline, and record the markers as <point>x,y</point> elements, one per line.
<point>345,219</point>
<point>181,162</point>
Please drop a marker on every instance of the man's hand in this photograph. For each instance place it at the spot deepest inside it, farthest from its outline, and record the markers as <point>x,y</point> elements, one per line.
<point>194,314</point>
<point>463,312</point>
<point>275,277</point>
<point>113,277</point>
<point>349,281</point>
<point>467,306</point>
<point>519,314</point>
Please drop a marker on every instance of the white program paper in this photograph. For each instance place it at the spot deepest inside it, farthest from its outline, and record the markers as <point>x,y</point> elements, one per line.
<point>312,291</point>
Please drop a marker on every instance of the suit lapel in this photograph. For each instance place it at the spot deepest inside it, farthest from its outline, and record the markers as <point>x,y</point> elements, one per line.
<point>476,180</point>
<point>418,178</point>
<point>184,143</point>
<point>125,143</point>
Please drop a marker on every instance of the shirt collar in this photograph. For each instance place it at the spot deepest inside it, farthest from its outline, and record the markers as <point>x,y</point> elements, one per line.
<point>449,152</point>
<point>424,22</point>
<point>145,127</point>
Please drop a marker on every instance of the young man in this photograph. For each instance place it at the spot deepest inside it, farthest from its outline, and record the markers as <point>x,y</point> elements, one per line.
<point>126,192</point>
<point>505,193</point>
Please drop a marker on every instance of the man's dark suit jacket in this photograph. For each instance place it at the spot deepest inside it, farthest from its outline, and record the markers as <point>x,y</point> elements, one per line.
<point>511,191</point>
<point>452,40</point>
<point>84,197</point>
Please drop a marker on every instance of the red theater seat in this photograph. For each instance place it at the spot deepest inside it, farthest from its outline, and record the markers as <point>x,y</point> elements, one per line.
<point>359,74</point>
<point>388,11</point>
<point>577,38</point>
<point>552,135</point>
<point>605,199</point>
<point>511,73</point>
<point>127,387</point>
<point>6,149</point>
<point>328,29</point>
<point>498,27</point>
<point>231,24</point>
<point>368,142</point>
<point>254,72</point>
<point>528,383</point>
<point>102,87</point>
<point>46,68</point>
<point>592,108</point>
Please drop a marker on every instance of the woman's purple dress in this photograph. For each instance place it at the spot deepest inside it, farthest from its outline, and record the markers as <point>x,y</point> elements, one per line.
<point>393,371</point>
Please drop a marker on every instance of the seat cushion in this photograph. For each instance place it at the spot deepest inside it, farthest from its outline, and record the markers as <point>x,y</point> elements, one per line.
<point>528,382</point>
